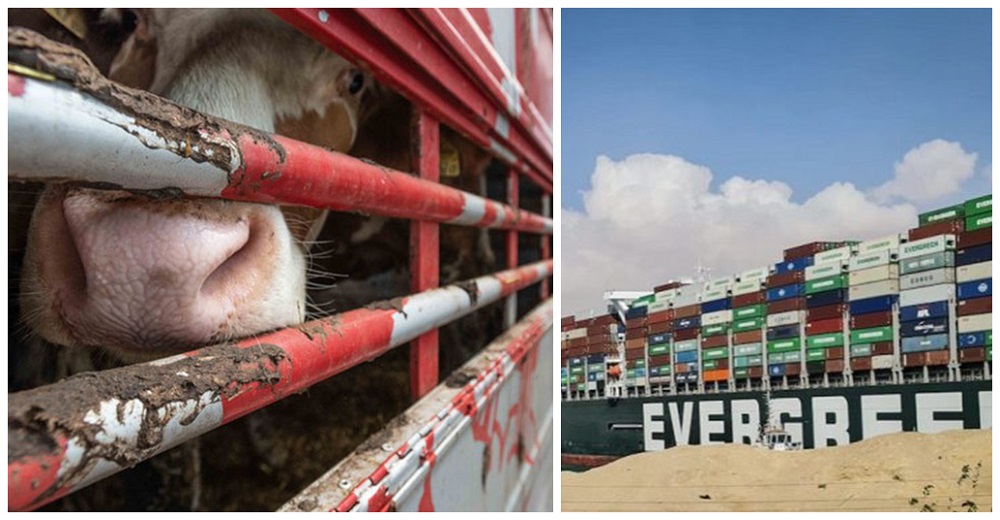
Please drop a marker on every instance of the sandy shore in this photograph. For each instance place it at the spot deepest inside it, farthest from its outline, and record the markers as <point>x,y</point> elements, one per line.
<point>949,471</point>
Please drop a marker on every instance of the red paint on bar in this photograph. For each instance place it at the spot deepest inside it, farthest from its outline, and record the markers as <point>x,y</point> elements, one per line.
<point>427,499</point>
<point>31,480</point>
<point>15,85</point>
<point>291,172</point>
<point>424,253</point>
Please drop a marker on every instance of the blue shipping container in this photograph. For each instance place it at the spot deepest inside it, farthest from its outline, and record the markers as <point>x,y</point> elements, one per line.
<point>596,359</point>
<point>869,305</point>
<point>576,361</point>
<point>972,339</point>
<point>659,339</point>
<point>797,264</point>
<point>974,255</point>
<point>776,370</point>
<point>592,377</point>
<point>784,292</point>
<point>716,305</point>
<point>924,343</point>
<point>687,357</point>
<point>924,327</point>
<point>687,323</point>
<point>786,331</point>
<point>821,299</point>
<point>975,288</point>
<point>924,310</point>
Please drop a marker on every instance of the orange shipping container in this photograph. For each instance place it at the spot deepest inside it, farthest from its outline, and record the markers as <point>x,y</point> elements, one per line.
<point>716,375</point>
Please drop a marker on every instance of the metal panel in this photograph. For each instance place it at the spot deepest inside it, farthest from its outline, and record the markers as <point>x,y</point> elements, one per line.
<point>834,339</point>
<point>823,270</point>
<point>890,242</point>
<point>927,262</point>
<point>785,292</point>
<point>751,311</point>
<point>874,274</point>
<point>876,304</point>
<point>974,254</point>
<point>784,318</point>
<point>874,289</point>
<point>975,288</point>
<point>826,284</point>
<point>982,221</point>
<point>923,327</point>
<point>872,259</point>
<point>925,278</point>
<point>748,287</point>
<point>938,215</point>
<point>883,362</point>
<point>838,256</point>
<point>979,205</point>
<point>968,273</point>
<point>871,335</point>
<point>975,323</point>
<point>923,343</point>
<point>926,246</point>
<point>934,293</point>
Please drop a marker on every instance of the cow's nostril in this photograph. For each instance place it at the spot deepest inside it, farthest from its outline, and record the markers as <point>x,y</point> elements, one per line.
<point>236,270</point>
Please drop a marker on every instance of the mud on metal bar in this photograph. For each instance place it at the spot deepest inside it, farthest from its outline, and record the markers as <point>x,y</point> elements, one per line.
<point>65,436</point>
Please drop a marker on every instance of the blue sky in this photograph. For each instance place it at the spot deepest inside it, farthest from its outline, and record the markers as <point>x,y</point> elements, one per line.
<point>806,97</point>
<point>721,137</point>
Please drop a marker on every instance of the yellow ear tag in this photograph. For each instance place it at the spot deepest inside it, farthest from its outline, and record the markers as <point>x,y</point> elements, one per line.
<point>449,164</point>
<point>71,19</point>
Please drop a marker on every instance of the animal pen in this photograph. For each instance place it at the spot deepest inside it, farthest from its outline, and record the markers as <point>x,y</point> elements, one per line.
<point>484,444</point>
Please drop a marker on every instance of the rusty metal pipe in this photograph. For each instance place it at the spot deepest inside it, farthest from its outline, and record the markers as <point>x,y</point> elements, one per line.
<point>65,436</point>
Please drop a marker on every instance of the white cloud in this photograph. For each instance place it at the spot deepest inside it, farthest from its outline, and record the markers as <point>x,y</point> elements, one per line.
<point>650,218</point>
<point>988,171</point>
<point>929,172</point>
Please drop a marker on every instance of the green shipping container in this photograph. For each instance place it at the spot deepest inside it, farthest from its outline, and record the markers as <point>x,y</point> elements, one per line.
<point>709,364</point>
<point>715,353</point>
<point>927,262</point>
<point>756,361</point>
<point>595,368</point>
<point>826,284</point>
<point>980,221</point>
<point>741,361</point>
<point>639,363</point>
<point>741,373</point>
<point>949,213</point>
<point>979,205</point>
<point>821,341</point>
<point>815,355</point>
<point>664,370</point>
<point>748,349</point>
<point>581,388</point>
<point>749,324</point>
<point>775,358</point>
<point>989,337</point>
<point>784,345</point>
<point>871,335</point>
<point>793,357</point>
<point>715,330</point>
<point>564,381</point>
<point>576,370</point>
<point>750,311</point>
<point>659,350</point>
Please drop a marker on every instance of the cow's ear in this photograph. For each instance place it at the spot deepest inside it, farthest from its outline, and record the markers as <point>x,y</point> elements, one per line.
<point>304,223</point>
<point>135,63</point>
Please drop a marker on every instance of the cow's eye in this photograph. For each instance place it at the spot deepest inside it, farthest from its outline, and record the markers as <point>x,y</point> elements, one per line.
<point>357,83</point>
<point>130,21</point>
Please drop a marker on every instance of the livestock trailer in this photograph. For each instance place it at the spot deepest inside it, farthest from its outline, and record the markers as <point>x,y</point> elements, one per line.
<point>477,439</point>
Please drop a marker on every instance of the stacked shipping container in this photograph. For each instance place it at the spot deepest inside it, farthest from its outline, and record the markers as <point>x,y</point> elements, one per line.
<point>585,344</point>
<point>844,310</point>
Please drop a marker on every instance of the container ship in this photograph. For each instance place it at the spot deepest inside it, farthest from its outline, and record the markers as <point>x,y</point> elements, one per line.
<point>837,342</point>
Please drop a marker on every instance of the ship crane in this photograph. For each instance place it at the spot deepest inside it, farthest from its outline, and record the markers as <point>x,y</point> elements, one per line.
<point>619,301</point>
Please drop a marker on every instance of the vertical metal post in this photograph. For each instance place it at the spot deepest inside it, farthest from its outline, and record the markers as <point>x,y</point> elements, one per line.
<point>510,310</point>
<point>424,252</point>
<point>546,244</point>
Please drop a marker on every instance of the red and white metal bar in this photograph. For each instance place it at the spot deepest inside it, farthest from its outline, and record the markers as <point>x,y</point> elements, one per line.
<point>427,56</point>
<point>409,464</point>
<point>510,309</point>
<point>56,132</point>
<point>546,243</point>
<point>424,253</point>
<point>63,448</point>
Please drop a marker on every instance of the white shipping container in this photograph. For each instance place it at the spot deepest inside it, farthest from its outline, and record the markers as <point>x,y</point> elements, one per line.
<point>872,259</point>
<point>719,283</point>
<point>975,323</point>
<point>748,287</point>
<point>883,362</point>
<point>968,273</point>
<point>684,299</point>
<point>658,306</point>
<point>873,274</point>
<point>683,346</point>
<point>932,293</point>
<point>927,246</point>
<point>760,274</point>
<point>783,318</point>
<point>817,271</point>
<point>841,254</point>
<point>890,242</point>
<point>666,295</point>
<point>871,290</point>
<point>576,333</point>
<point>926,278</point>
<point>715,294</point>
<point>717,317</point>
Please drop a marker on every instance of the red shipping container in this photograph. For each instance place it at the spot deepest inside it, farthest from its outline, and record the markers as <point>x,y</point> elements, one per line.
<point>938,357</point>
<point>567,328</point>
<point>945,227</point>
<point>685,334</point>
<point>635,343</point>
<point>722,364</point>
<point>786,278</point>
<point>660,316</point>
<point>567,320</point>
<point>632,323</point>
<point>826,312</point>
<point>667,286</point>
<point>605,319</point>
<point>578,342</point>
<point>861,364</point>
<point>917,359</point>
<point>974,238</point>
<point>834,366</point>
<point>750,336</point>
<point>972,355</point>
<point>870,320</point>
<point>755,372</point>
<point>687,311</point>
<point>809,249</point>
<point>595,330</point>
<point>981,305</point>
<point>788,304</point>
<point>634,355</point>
<point>882,348</point>
<point>824,326</point>
<point>659,361</point>
<point>835,353</point>
<point>742,300</point>
<point>660,328</point>
<point>793,369</point>
<point>636,333</point>
<point>681,368</point>
<point>714,341</point>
